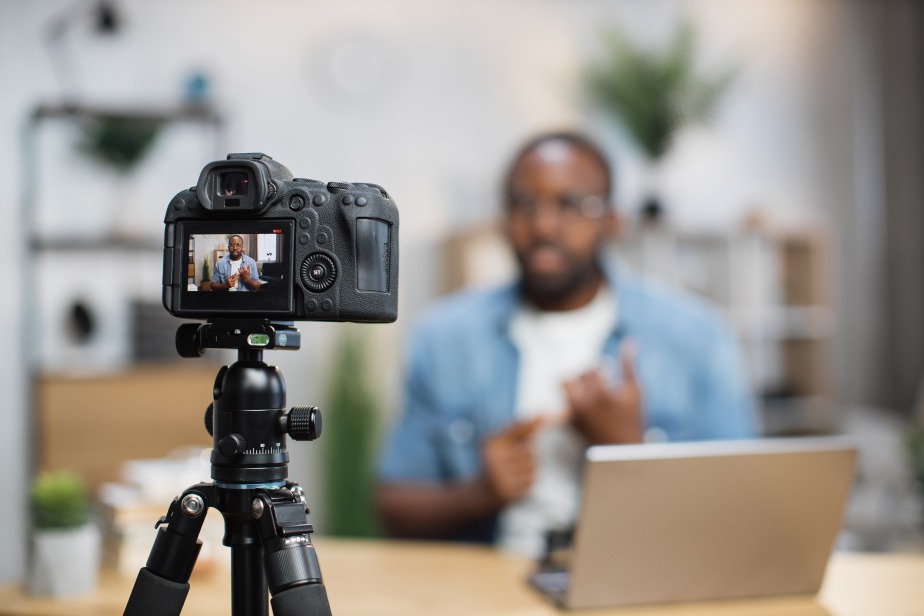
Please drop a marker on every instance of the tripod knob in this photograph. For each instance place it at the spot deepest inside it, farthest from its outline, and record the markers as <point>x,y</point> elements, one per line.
<point>232,445</point>
<point>187,340</point>
<point>209,413</point>
<point>303,423</point>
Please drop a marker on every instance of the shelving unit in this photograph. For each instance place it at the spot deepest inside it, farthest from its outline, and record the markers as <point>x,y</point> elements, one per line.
<point>191,260</point>
<point>118,257</point>
<point>772,285</point>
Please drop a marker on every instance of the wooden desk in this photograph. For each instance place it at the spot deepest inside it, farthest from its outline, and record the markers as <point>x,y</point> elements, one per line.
<point>410,579</point>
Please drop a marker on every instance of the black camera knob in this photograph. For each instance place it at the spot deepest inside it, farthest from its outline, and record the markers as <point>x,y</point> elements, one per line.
<point>232,445</point>
<point>303,423</point>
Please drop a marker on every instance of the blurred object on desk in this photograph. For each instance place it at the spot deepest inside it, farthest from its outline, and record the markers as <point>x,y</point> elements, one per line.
<point>65,542</point>
<point>129,509</point>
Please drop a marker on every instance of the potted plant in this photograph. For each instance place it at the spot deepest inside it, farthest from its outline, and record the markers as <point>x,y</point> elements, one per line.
<point>914,441</point>
<point>349,440</point>
<point>119,141</point>
<point>206,283</point>
<point>65,543</point>
<point>655,93</point>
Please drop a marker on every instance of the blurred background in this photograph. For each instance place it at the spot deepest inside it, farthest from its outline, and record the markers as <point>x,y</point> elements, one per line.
<point>793,201</point>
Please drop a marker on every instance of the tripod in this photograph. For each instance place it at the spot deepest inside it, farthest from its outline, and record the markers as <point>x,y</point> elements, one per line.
<point>265,515</point>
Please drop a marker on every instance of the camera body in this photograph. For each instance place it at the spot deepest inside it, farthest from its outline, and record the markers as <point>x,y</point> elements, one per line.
<point>279,247</point>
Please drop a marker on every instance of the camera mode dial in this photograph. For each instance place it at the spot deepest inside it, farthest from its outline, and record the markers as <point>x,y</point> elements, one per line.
<point>318,272</point>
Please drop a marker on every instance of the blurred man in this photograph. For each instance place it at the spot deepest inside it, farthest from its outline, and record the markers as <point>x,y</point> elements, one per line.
<point>236,271</point>
<point>506,388</point>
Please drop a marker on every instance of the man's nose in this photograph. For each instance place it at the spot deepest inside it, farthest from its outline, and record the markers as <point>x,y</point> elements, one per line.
<point>546,219</point>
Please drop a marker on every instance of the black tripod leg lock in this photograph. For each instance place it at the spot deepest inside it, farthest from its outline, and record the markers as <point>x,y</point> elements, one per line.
<point>177,545</point>
<point>290,561</point>
<point>162,585</point>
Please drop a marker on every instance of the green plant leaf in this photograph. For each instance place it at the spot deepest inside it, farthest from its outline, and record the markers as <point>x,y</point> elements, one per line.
<point>119,141</point>
<point>59,500</point>
<point>350,428</point>
<point>653,94</point>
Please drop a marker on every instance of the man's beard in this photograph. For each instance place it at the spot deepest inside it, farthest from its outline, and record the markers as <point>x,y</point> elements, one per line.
<point>553,289</point>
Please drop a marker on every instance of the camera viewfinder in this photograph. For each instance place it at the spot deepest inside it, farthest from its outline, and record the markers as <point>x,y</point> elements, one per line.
<point>233,184</point>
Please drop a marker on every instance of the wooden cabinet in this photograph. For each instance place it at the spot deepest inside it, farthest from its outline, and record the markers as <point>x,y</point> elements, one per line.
<point>92,424</point>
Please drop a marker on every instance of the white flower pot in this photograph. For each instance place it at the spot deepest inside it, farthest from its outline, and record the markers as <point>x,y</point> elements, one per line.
<point>64,562</point>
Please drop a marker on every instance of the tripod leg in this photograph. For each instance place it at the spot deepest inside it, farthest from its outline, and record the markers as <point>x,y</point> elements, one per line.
<point>248,581</point>
<point>305,599</point>
<point>290,561</point>
<point>162,585</point>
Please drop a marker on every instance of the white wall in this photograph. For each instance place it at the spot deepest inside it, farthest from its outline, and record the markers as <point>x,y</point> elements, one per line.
<point>429,99</point>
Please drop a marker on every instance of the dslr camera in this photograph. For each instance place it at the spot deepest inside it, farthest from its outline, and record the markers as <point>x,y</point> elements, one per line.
<point>252,241</point>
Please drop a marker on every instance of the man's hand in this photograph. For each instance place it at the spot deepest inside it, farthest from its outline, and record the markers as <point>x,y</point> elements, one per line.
<point>509,464</point>
<point>605,415</point>
<point>245,273</point>
<point>232,281</point>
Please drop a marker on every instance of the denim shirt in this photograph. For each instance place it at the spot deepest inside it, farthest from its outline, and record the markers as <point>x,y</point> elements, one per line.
<point>462,367</point>
<point>223,270</point>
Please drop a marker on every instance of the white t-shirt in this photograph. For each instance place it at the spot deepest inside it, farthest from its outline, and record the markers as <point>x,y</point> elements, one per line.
<point>554,347</point>
<point>235,268</point>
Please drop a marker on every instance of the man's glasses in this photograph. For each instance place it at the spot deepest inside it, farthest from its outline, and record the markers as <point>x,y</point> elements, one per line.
<point>566,207</point>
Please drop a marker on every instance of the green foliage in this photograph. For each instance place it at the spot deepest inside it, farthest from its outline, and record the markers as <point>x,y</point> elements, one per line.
<point>349,441</point>
<point>119,141</point>
<point>206,275</point>
<point>655,93</point>
<point>914,441</point>
<point>59,501</point>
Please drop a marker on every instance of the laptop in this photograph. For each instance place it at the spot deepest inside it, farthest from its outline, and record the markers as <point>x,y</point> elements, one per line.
<point>701,521</point>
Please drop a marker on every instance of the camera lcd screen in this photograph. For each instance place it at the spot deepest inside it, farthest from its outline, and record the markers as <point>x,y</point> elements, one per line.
<point>236,267</point>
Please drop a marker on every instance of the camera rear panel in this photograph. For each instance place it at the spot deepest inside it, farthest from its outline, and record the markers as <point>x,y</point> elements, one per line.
<point>325,252</point>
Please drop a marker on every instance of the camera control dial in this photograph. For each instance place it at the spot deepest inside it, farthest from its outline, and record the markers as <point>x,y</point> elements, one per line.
<point>318,272</point>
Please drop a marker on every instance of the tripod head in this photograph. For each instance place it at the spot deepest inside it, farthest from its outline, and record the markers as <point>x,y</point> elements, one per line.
<point>247,418</point>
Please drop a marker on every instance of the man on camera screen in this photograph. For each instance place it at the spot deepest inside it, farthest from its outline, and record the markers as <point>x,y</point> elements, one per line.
<point>236,271</point>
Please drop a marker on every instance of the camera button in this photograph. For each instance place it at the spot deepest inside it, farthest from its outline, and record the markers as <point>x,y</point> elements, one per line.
<point>311,305</point>
<point>326,304</point>
<point>304,238</point>
<point>318,200</point>
<point>322,238</point>
<point>296,202</point>
<point>304,223</point>
<point>347,199</point>
<point>318,272</point>
<point>361,201</point>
